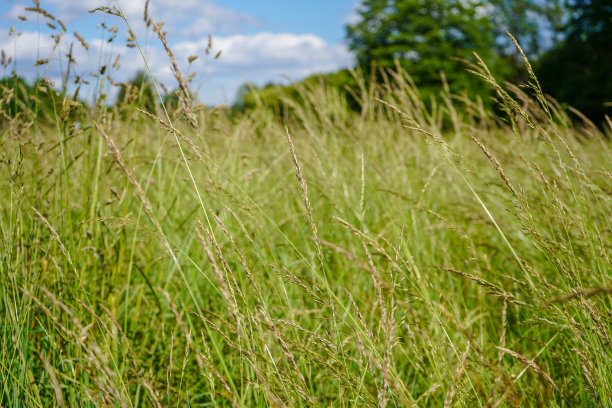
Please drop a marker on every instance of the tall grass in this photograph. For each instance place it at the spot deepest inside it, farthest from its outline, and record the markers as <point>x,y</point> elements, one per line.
<point>428,254</point>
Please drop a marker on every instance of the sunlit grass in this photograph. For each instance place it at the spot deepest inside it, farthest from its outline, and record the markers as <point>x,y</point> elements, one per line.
<point>431,256</point>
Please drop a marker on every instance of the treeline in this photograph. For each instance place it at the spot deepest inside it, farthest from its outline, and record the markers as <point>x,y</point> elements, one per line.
<point>42,102</point>
<point>438,42</point>
<point>19,98</point>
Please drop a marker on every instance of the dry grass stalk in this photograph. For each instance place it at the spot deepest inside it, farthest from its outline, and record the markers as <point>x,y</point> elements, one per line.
<point>169,369</point>
<point>288,276</point>
<point>450,395</point>
<point>148,208</point>
<point>165,126</point>
<point>582,293</point>
<point>313,334</point>
<point>496,402</point>
<point>390,376</point>
<point>171,129</point>
<point>429,391</point>
<point>370,360</point>
<point>234,288</point>
<point>81,40</point>
<point>146,17</point>
<point>461,327</point>
<point>233,398</point>
<point>365,238</point>
<point>130,353</point>
<point>244,230</point>
<point>103,376</point>
<point>376,280</point>
<point>184,365</point>
<point>216,328</point>
<point>185,97</point>
<point>56,237</point>
<point>288,354</point>
<point>347,254</point>
<point>502,337</point>
<point>42,11</point>
<point>596,319</point>
<point>390,343</point>
<point>497,165</point>
<point>473,278</point>
<point>181,325</point>
<point>223,286</point>
<point>300,178</point>
<point>131,178</point>
<point>241,258</point>
<point>60,401</point>
<point>530,364</point>
<point>536,83</point>
<point>587,370</point>
<point>358,313</point>
<point>500,354</point>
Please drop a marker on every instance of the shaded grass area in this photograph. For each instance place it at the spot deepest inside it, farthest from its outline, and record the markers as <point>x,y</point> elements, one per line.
<point>425,255</point>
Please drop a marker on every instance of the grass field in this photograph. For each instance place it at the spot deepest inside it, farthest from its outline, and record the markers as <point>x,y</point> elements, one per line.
<point>425,255</point>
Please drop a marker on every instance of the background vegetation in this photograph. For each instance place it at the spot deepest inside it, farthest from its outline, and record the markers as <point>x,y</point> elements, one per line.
<point>435,42</point>
<point>381,249</point>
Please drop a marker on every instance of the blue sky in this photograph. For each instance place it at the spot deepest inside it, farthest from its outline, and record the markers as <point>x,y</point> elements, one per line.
<point>262,41</point>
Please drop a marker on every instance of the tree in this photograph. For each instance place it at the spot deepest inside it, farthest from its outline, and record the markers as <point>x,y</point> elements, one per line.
<point>534,23</point>
<point>432,36</point>
<point>38,101</point>
<point>579,70</point>
<point>425,36</point>
<point>249,96</point>
<point>139,90</point>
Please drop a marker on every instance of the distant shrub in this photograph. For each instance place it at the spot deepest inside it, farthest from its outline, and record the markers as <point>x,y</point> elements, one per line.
<point>138,91</point>
<point>38,101</point>
<point>275,96</point>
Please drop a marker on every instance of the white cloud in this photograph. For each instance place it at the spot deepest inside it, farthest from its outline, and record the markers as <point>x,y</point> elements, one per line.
<point>283,53</point>
<point>28,45</point>
<point>68,10</point>
<point>353,16</point>
<point>198,17</point>
<point>186,17</point>
<point>261,57</point>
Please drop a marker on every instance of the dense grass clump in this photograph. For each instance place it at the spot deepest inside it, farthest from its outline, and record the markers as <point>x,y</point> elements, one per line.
<point>429,254</point>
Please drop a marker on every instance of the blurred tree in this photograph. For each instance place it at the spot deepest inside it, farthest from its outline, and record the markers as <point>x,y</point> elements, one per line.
<point>272,95</point>
<point>536,24</point>
<point>38,101</point>
<point>172,100</point>
<point>432,36</point>
<point>139,91</point>
<point>423,36</point>
<point>578,70</point>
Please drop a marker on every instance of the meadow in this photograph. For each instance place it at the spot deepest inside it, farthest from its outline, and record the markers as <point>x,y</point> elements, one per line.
<point>418,252</point>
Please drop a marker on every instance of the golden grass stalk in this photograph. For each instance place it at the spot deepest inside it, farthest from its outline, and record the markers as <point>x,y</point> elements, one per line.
<point>530,364</point>
<point>497,165</point>
<point>60,401</point>
<point>56,238</point>
<point>185,97</point>
<point>300,178</point>
<point>582,293</point>
<point>450,395</point>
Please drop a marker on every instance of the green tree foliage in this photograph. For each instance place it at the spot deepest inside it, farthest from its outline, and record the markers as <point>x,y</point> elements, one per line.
<point>426,37</point>
<point>17,97</point>
<point>272,95</point>
<point>578,71</point>
<point>441,35</point>
<point>534,23</point>
<point>138,91</point>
